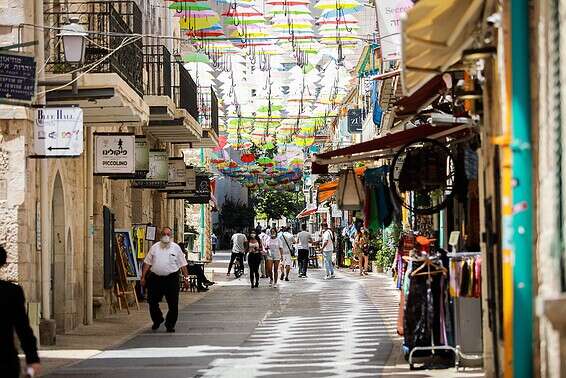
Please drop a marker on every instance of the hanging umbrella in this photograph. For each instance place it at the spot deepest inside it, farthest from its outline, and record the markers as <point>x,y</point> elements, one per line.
<point>197,23</point>
<point>337,4</point>
<point>196,58</point>
<point>189,6</point>
<point>247,158</point>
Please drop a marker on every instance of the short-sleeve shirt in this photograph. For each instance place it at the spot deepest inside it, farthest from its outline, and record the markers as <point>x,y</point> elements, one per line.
<point>327,235</point>
<point>165,259</point>
<point>274,246</point>
<point>304,237</point>
<point>286,242</point>
<point>239,243</point>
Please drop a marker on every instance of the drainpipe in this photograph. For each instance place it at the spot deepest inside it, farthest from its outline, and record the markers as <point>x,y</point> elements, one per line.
<point>89,210</point>
<point>202,250</point>
<point>522,191</point>
<point>43,180</point>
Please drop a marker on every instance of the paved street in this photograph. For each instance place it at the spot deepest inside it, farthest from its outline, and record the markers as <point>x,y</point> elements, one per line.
<point>306,328</point>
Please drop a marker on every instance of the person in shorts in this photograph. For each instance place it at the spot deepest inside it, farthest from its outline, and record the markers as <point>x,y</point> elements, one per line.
<point>287,242</point>
<point>274,251</point>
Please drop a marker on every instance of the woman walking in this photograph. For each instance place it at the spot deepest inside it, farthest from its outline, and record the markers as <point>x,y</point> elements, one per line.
<point>254,258</point>
<point>362,250</point>
<point>274,252</point>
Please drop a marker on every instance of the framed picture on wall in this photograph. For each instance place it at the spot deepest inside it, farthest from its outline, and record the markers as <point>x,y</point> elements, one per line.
<point>150,232</point>
<point>125,248</point>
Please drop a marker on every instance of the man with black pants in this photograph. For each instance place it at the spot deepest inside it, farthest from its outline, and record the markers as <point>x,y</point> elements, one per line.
<point>239,241</point>
<point>303,239</point>
<point>161,274</point>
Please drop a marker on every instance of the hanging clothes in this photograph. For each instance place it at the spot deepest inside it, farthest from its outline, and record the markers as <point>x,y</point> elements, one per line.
<point>465,276</point>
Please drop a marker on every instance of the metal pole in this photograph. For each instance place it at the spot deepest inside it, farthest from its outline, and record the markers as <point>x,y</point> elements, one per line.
<point>522,191</point>
<point>202,249</point>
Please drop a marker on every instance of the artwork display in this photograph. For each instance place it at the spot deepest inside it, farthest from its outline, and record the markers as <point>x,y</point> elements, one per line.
<point>126,249</point>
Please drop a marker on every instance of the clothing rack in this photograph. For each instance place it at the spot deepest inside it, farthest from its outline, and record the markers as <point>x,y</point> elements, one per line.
<point>433,347</point>
<point>463,254</point>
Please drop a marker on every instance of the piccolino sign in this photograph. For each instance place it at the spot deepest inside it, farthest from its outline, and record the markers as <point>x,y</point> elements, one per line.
<point>114,154</point>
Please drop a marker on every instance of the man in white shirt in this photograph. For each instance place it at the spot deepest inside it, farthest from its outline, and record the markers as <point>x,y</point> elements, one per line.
<point>287,245</point>
<point>161,274</point>
<point>239,241</point>
<point>303,239</point>
<point>327,250</point>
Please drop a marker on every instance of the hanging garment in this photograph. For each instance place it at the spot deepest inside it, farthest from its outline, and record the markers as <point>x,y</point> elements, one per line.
<point>465,278</point>
<point>367,206</point>
<point>375,222</point>
<point>377,111</point>
<point>477,278</point>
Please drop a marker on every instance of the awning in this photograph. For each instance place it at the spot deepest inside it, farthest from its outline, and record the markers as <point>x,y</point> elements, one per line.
<point>306,213</point>
<point>386,144</point>
<point>433,35</point>
<point>327,190</point>
<point>421,98</point>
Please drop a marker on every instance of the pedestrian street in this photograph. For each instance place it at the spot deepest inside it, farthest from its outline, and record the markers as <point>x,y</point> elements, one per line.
<point>305,328</point>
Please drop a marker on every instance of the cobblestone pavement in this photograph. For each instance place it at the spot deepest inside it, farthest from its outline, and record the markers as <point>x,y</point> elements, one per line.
<point>305,328</point>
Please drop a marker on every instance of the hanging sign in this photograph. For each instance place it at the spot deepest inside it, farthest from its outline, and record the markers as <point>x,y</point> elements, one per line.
<point>336,212</point>
<point>142,156</point>
<point>17,78</point>
<point>58,132</point>
<point>389,14</point>
<point>201,194</point>
<point>177,174</point>
<point>355,120</point>
<point>158,172</point>
<point>191,178</point>
<point>114,154</point>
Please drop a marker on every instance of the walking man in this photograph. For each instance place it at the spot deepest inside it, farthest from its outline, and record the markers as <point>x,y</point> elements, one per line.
<point>161,275</point>
<point>303,239</point>
<point>287,244</point>
<point>239,241</point>
<point>264,239</point>
<point>327,250</point>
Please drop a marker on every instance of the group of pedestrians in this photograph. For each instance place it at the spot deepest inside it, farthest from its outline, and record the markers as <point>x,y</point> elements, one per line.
<point>271,251</point>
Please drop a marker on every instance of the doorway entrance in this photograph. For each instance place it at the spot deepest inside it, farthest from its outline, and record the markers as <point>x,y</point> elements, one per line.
<point>58,255</point>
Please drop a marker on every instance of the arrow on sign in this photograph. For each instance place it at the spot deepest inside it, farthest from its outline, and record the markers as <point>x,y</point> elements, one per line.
<point>58,148</point>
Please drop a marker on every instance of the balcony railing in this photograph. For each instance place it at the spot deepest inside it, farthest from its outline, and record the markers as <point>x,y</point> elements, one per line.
<point>157,64</point>
<point>185,90</point>
<point>103,18</point>
<point>166,76</point>
<point>208,109</point>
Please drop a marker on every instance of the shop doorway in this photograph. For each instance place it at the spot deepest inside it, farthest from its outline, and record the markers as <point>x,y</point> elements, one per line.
<point>58,255</point>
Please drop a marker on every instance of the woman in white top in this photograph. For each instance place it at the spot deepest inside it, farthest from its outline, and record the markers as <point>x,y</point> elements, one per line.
<point>274,251</point>
<point>254,258</point>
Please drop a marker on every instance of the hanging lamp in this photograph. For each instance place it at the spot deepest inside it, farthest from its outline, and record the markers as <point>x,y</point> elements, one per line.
<point>350,194</point>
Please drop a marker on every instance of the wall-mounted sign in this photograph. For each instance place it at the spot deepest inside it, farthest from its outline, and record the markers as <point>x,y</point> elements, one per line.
<point>158,173</point>
<point>201,195</point>
<point>191,178</point>
<point>142,156</point>
<point>58,132</point>
<point>355,121</point>
<point>114,154</point>
<point>177,174</point>
<point>17,78</point>
<point>389,14</point>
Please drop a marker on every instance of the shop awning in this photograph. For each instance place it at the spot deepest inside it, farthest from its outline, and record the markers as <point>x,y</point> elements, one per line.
<point>384,145</point>
<point>422,97</point>
<point>306,213</point>
<point>327,190</point>
<point>433,35</point>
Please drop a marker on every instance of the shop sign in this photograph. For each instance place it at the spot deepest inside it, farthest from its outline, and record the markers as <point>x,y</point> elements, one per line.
<point>201,195</point>
<point>177,174</point>
<point>336,212</point>
<point>142,156</point>
<point>312,199</point>
<point>17,78</point>
<point>389,14</point>
<point>191,178</point>
<point>114,154</point>
<point>355,121</point>
<point>158,172</point>
<point>58,132</point>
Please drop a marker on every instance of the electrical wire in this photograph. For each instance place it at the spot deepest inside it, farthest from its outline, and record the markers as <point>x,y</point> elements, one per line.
<point>125,42</point>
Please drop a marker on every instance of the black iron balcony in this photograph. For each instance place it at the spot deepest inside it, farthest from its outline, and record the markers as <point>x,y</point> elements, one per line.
<point>208,109</point>
<point>103,18</point>
<point>157,64</point>
<point>166,76</point>
<point>185,90</point>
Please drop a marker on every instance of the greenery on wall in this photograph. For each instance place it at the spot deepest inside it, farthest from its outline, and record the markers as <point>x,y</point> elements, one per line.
<point>385,243</point>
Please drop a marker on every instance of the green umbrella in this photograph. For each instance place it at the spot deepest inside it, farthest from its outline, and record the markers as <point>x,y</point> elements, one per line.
<point>186,6</point>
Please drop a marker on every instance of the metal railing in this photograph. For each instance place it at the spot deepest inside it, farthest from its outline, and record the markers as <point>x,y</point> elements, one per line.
<point>103,18</point>
<point>157,64</point>
<point>208,109</point>
<point>185,90</point>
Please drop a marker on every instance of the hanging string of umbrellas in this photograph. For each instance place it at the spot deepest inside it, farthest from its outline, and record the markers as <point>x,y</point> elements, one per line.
<point>278,68</point>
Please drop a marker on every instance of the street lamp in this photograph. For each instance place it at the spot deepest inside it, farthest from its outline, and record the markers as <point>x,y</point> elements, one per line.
<point>73,36</point>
